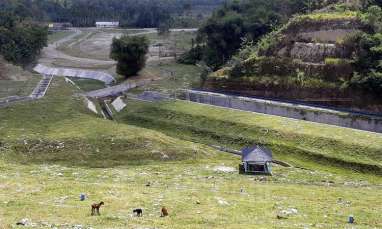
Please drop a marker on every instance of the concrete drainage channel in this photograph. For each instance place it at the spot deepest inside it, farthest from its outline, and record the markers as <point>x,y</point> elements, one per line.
<point>76,73</point>
<point>359,121</point>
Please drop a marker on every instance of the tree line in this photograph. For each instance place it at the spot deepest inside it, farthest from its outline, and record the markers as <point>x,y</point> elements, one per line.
<point>84,13</point>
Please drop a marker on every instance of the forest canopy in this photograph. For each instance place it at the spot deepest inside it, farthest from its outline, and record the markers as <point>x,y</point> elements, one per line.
<point>84,13</point>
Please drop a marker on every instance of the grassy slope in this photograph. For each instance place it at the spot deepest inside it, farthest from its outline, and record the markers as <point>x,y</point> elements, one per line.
<point>289,139</point>
<point>15,81</point>
<point>20,88</point>
<point>56,150</point>
<point>88,84</point>
<point>173,76</point>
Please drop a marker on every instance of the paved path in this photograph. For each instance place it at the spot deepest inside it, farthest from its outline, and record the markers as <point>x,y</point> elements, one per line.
<point>117,90</point>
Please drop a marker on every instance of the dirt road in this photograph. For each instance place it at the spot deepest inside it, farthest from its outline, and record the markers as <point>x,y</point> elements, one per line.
<point>51,53</point>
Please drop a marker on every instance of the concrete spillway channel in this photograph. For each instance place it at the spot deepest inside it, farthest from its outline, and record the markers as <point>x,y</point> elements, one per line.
<point>77,73</point>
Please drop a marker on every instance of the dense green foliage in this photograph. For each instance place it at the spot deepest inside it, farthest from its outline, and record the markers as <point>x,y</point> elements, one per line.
<point>20,41</point>
<point>142,13</point>
<point>368,58</point>
<point>223,33</point>
<point>130,52</point>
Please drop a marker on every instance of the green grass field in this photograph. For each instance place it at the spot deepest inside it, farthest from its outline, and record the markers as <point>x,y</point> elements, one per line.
<point>14,81</point>
<point>19,88</point>
<point>180,40</point>
<point>88,84</point>
<point>173,76</point>
<point>54,149</point>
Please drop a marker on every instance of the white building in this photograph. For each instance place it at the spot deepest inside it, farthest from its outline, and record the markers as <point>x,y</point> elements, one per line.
<point>107,24</point>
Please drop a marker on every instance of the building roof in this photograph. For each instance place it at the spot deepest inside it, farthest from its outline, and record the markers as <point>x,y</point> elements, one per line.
<point>110,23</point>
<point>256,153</point>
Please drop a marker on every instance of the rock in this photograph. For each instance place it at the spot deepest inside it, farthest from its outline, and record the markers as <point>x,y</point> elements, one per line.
<point>281,217</point>
<point>224,169</point>
<point>221,201</point>
<point>288,212</point>
<point>24,222</point>
<point>197,202</point>
<point>164,156</point>
<point>262,178</point>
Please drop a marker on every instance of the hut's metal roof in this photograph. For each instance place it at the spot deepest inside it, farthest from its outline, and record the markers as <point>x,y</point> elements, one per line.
<point>256,153</point>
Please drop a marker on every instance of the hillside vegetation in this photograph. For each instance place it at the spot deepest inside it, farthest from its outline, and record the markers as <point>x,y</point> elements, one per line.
<point>330,57</point>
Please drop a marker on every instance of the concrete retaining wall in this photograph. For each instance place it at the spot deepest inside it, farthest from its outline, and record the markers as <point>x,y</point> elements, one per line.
<point>78,73</point>
<point>290,110</point>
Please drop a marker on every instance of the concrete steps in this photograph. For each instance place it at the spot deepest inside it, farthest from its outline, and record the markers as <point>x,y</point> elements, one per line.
<point>42,87</point>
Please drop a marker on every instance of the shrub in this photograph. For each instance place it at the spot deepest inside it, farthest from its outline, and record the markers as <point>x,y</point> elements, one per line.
<point>372,83</point>
<point>193,56</point>
<point>130,52</point>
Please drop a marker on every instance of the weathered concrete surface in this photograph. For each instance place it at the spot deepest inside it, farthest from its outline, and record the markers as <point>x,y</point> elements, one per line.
<point>314,52</point>
<point>116,90</point>
<point>290,110</point>
<point>91,106</point>
<point>79,73</point>
<point>118,104</point>
<point>327,36</point>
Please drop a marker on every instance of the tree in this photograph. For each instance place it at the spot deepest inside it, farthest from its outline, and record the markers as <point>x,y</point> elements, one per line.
<point>130,52</point>
<point>20,41</point>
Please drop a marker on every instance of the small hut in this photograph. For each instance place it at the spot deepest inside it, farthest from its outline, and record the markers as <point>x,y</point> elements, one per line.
<point>107,24</point>
<point>256,160</point>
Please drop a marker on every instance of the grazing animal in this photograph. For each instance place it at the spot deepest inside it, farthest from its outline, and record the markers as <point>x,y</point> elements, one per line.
<point>96,207</point>
<point>138,212</point>
<point>164,212</point>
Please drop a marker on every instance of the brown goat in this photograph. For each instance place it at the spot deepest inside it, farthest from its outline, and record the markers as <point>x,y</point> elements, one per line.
<point>96,207</point>
<point>164,212</point>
